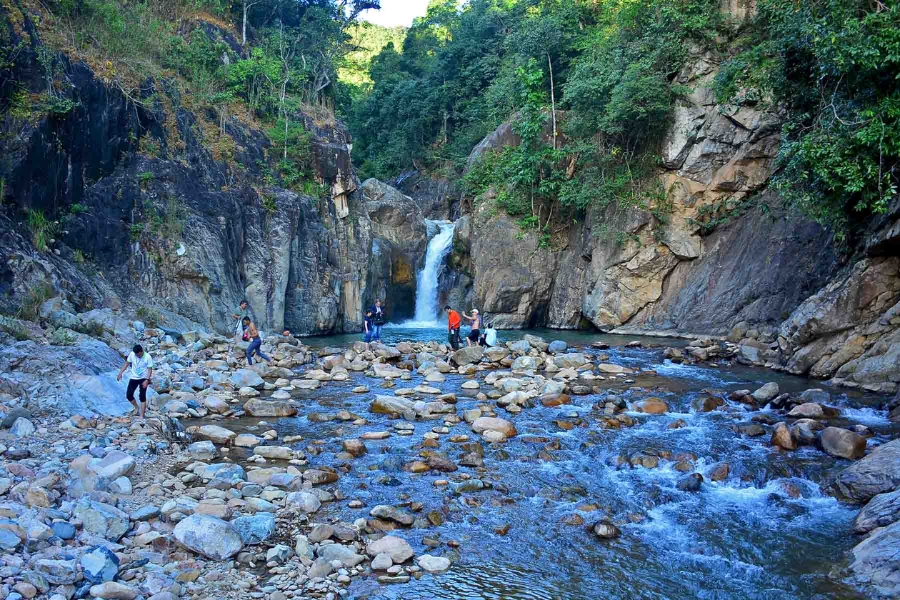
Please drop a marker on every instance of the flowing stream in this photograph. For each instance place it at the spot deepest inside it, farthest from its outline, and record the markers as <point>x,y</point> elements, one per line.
<point>766,530</point>
<point>427,279</point>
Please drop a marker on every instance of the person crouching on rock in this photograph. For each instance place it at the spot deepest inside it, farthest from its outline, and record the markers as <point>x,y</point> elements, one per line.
<point>453,325</point>
<point>251,334</point>
<point>368,328</point>
<point>474,335</point>
<point>140,376</point>
<point>489,338</point>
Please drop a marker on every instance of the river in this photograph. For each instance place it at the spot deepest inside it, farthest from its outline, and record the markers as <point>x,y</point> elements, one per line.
<point>767,531</point>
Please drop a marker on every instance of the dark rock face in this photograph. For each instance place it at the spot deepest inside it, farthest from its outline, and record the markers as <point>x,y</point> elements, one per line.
<point>172,211</point>
<point>438,198</point>
<point>400,238</point>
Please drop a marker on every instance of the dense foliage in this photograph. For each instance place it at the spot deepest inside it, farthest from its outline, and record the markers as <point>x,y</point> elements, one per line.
<point>590,84</point>
<point>836,65</point>
<point>264,60</point>
<point>600,74</point>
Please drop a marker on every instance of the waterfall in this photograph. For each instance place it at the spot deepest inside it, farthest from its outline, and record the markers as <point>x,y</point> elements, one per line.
<point>427,279</point>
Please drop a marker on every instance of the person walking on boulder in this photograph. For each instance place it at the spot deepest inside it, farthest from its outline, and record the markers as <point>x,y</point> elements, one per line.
<point>251,334</point>
<point>475,335</point>
<point>140,376</point>
<point>454,322</point>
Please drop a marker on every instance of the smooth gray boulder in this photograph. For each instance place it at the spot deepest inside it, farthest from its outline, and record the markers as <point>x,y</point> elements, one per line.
<point>210,536</point>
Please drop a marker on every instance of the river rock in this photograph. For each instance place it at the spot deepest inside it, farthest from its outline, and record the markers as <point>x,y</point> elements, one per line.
<point>881,511</point>
<point>99,564</point>
<point>57,572</point>
<point>390,513</point>
<point>304,501</point>
<point>112,590</point>
<point>612,369</point>
<point>766,393</point>
<point>807,410</point>
<point>210,536</point>
<point>257,407</point>
<point>255,529</point>
<point>782,437</point>
<point>468,355</point>
<point>876,563</point>
<point>22,428</point>
<point>433,564</point>
<point>343,554</point>
<point>382,562</point>
<point>216,434</point>
<point>246,440</point>
<point>483,424</point>
<point>115,464</point>
<point>495,354</point>
<point>552,400</point>
<point>102,519</point>
<point>274,452</point>
<point>705,404</point>
<point>394,405</point>
<point>520,347</point>
<point>557,347</point>
<point>691,483</point>
<point>202,451</point>
<point>397,548</point>
<point>806,431</point>
<point>570,361</point>
<point>354,447</point>
<point>247,378</point>
<point>875,474</point>
<point>651,406</point>
<point>843,443</point>
<point>525,363</point>
<point>606,530</point>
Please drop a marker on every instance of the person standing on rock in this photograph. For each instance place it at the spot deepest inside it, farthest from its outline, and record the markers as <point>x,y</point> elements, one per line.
<point>368,328</point>
<point>251,334</point>
<point>140,376</point>
<point>453,325</point>
<point>474,335</point>
<point>378,320</point>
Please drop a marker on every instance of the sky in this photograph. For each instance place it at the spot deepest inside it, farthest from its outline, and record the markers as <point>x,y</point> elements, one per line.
<point>396,12</point>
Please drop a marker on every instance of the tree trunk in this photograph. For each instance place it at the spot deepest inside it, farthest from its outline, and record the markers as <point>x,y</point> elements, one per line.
<point>552,100</point>
<point>244,29</point>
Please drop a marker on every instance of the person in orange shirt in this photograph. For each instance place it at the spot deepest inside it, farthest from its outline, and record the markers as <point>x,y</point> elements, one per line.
<point>454,322</point>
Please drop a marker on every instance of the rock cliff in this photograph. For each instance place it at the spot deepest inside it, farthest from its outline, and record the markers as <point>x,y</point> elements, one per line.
<point>151,205</point>
<point>720,256</point>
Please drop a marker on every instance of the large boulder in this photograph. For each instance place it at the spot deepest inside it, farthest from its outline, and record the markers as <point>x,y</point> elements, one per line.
<point>881,511</point>
<point>257,407</point>
<point>247,378</point>
<point>875,474</point>
<point>876,563</point>
<point>114,465</point>
<point>573,360</point>
<point>468,355</point>
<point>215,434</point>
<point>255,529</point>
<point>210,536</point>
<point>397,548</point>
<point>483,424</point>
<point>843,443</point>
<point>394,405</point>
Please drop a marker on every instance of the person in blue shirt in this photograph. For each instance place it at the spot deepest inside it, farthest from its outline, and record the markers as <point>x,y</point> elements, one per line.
<point>368,328</point>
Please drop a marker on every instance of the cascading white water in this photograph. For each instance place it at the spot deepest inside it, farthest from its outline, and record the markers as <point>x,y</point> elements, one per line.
<point>427,279</point>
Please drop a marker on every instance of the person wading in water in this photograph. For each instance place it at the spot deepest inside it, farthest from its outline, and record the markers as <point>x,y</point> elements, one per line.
<point>453,325</point>
<point>474,335</point>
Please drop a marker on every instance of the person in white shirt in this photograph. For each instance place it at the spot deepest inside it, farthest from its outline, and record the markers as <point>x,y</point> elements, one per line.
<point>140,375</point>
<point>490,336</point>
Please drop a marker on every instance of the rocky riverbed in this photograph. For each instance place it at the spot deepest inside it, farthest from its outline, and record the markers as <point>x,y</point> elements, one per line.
<point>533,470</point>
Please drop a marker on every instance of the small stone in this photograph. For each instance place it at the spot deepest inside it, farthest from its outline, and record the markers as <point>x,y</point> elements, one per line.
<point>112,590</point>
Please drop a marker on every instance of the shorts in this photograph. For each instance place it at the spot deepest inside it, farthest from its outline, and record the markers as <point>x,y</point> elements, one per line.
<point>475,335</point>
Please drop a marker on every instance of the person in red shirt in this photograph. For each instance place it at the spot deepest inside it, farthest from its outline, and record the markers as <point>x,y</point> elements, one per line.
<point>454,322</point>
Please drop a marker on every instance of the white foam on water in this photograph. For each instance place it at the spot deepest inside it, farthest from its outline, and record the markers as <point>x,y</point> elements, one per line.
<point>866,416</point>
